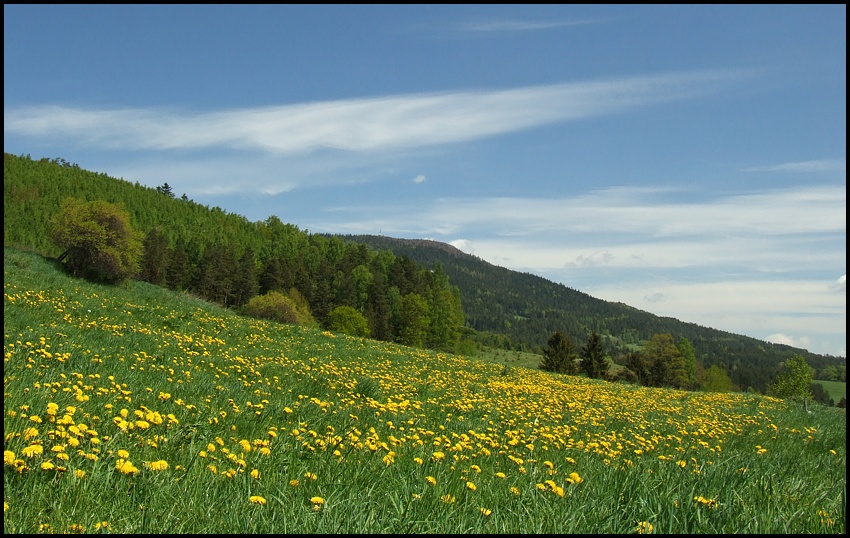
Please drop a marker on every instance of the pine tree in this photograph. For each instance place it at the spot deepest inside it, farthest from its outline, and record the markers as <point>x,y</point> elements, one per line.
<point>593,357</point>
<point>559,356</point>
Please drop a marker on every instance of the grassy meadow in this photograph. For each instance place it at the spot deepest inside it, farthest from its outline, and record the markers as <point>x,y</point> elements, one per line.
<point>139,410</point>
<point>835,389</point>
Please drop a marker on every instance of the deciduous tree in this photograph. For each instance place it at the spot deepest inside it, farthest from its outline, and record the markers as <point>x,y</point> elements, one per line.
<point>348,320</point>
<point>794,381</point>
<point>98,241</point>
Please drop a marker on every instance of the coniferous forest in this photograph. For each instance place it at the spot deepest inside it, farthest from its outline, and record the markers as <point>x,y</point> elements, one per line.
<point>414,292</point>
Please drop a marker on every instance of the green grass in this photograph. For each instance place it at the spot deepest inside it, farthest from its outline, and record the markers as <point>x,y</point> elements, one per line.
<point>835,389</point>
<point>509,358</point>
<point>138,409</point>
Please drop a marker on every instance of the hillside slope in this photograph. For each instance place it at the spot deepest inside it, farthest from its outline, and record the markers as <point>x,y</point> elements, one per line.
<point>527,309</point>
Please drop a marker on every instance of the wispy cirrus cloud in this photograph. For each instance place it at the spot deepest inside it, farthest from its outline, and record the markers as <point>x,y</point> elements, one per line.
<point>642,212</point>
<point>496,26</point>
<point>819,165</point>
<point>359,125</point>
<point>626,228</point>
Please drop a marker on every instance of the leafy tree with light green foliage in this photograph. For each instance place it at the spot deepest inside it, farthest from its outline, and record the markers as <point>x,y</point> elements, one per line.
<point>666,364</point>
<point>715,379</point>
<point>686,348</point>
<point>348,320</point>
<point>98,241</point>
<point>794,382</point>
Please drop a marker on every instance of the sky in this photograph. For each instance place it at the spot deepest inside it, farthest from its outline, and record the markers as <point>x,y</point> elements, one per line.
<point>689,161</point>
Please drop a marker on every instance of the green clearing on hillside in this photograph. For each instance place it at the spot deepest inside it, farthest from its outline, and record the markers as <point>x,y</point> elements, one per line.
<point>835,389</point>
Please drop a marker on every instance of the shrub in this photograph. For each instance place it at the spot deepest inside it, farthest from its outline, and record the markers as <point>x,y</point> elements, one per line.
<point>274,306</point>
<point>348,320</point>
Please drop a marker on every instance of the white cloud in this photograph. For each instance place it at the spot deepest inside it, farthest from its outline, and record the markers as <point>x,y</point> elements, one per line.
<point>394,122</point>
<point>521,25</point>
<point>630,214</point>
<point>463,245</point>
<point>840,284</point>
<point>778,338</point>
<point>419,179</point>
<point>822,165</point>
<point>597,258</point>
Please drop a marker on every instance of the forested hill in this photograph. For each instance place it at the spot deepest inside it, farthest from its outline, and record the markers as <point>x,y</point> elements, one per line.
<point>526,309</point>
<point>224,258</point>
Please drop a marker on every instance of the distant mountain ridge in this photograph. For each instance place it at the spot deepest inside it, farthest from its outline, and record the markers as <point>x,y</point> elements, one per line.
<point>526,309</point>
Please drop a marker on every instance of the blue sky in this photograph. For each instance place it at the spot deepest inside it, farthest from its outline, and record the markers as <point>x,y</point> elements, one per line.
<point>689,161</point>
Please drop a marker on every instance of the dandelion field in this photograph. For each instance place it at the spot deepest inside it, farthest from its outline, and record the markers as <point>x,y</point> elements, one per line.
<point>139,409</point>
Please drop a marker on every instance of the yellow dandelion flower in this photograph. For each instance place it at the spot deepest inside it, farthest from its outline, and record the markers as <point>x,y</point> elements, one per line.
<point>644,527</point>
<point>123,454</point>
<point>29,433</point>
<point>79,473</point>
<point>255,473</point>
<point>437,456</point>
<point>256,499</point>
<point>485,511</point>
<point>448,499</point>
<point>317,500</point>
<point>431,480</point>
<point>160,465</point>
<point>8,457</point>
<point>514,490</point>
<point>47,466</point>
<point>576,479</point>
<point>32,451</point>
<point>294,483</point>
<point>311,476</point>
<point>711,503</point>
<point>126,467</point>
<point>471,486</point>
